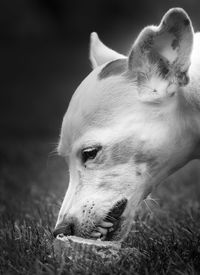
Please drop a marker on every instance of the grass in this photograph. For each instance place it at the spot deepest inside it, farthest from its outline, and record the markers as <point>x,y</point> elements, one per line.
<point>165,238</point>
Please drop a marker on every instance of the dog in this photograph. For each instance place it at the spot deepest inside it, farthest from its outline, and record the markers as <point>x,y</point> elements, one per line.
<point>131,123</point>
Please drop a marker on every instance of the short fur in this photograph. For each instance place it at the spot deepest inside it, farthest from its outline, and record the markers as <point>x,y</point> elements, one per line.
<point>143,112</point>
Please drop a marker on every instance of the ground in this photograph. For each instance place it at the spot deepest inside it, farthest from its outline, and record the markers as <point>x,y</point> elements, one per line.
<point>165,238</point>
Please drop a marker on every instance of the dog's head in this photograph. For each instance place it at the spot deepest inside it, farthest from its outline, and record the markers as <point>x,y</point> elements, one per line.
<point>125,129</point>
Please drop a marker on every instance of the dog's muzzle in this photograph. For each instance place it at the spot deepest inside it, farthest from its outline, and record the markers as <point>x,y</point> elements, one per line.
<point>112,219</point>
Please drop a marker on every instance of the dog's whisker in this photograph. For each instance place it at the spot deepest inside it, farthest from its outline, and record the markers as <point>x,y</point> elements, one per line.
<point>53,153</point>
<point>154,200</point>
<point>148,206</point>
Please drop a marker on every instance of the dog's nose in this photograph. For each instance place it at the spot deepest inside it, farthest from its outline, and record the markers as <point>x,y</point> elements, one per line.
<point>65,228</point>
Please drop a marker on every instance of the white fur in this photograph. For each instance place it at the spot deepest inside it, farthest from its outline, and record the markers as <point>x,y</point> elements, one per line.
<point>163,128</point>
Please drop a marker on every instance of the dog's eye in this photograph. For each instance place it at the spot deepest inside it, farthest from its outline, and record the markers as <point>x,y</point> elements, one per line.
<point>89,153</point>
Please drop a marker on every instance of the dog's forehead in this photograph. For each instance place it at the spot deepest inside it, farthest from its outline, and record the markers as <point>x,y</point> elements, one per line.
<point>101,100</point>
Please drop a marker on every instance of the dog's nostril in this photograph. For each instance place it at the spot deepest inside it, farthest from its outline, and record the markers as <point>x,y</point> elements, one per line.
<point>66,229</point>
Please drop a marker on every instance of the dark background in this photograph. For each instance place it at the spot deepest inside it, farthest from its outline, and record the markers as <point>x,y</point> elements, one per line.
<point>44,53</point>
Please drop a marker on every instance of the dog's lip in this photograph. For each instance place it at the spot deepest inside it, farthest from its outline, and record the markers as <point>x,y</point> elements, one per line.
<point>116,211</point>
<point>114,216</point>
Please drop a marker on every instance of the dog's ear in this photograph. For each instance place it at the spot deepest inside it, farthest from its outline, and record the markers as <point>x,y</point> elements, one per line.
<point>99,53</point>
<point>164,50</point>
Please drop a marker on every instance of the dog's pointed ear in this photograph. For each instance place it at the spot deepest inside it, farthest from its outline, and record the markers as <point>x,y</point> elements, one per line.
<point>165,49</point>
<point>100,53</point>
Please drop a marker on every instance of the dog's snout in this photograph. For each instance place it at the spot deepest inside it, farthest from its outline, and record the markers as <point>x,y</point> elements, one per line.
<point>65,228</point>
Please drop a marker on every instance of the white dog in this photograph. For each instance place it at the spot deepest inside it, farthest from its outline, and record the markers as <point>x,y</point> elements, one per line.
<point>130,124</point>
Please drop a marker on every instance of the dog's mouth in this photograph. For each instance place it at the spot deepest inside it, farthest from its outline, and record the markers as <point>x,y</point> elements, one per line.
<point>109,228</point>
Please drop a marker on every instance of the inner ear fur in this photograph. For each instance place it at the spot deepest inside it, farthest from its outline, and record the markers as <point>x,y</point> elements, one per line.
<point>168,46</point>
